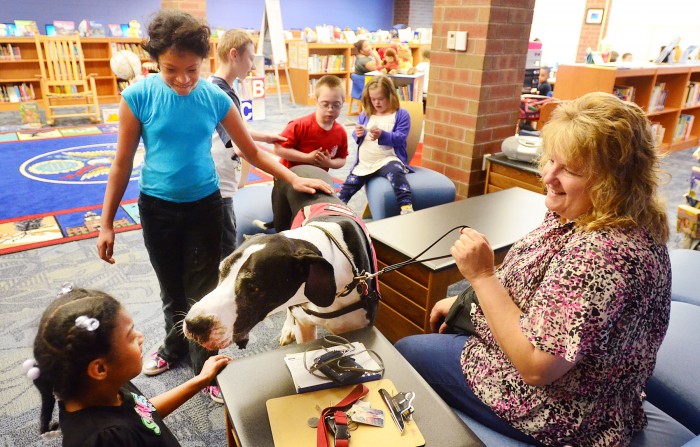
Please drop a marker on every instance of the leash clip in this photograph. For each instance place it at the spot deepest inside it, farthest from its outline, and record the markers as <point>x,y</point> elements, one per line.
<point>400,406</point>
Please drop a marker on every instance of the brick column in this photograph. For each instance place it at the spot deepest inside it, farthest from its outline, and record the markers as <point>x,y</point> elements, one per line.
<point>402,10</point>
<point>592,34</point>
<point>474,96</point>
<point>197,8</point>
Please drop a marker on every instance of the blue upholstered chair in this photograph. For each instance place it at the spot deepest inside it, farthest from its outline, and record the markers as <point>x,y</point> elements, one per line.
<point>358,84</point>
<point>252,202</point>
<point>674,386</point>
<point>429,188</point>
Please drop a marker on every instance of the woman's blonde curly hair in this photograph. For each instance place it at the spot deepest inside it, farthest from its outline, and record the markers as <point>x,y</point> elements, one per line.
<point>610,141</point>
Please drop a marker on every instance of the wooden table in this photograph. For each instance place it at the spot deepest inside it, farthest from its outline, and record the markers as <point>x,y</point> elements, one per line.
<point>408,294</point>
<point>248,383</point>
<point>503,173</point>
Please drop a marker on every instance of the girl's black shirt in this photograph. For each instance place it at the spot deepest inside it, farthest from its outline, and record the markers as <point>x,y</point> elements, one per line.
<point>135,422</point>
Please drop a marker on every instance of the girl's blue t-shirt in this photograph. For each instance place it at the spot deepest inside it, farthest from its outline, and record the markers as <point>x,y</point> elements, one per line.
<point>176,131</point>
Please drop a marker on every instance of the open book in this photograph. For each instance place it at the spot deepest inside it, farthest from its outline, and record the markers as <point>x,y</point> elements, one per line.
<point>304,381</point>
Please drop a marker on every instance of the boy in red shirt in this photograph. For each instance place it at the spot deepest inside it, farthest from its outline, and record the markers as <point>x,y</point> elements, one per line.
<point>317,139</point>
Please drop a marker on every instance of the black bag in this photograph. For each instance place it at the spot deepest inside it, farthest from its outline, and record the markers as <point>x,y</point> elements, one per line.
<point>459,318</point>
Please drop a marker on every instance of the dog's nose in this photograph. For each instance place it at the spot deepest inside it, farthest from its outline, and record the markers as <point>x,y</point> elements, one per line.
<point>199,327</point>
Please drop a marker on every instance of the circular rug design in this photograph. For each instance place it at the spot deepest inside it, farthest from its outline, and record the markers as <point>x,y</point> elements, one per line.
<point>88,164</point>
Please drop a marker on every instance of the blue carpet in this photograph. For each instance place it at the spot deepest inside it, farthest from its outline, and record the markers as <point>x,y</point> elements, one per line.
<point>45,176</point>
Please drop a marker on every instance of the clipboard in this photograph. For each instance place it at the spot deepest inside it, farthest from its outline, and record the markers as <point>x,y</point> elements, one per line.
<point>288,419</point>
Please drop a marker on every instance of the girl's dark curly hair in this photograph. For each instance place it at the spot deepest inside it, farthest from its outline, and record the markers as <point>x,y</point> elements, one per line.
<point>178,31</point>
<point>63,349</point>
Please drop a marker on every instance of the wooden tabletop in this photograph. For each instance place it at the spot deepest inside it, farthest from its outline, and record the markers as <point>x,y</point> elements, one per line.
<point>504,217</point>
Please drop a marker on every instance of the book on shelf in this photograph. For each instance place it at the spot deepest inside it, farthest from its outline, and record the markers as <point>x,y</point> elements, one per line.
<point>692,94</point>
<point>688,221</point>
<point>624,92</point>
<point>683,128</point>
<point>324,64</point>
<point>64,27</point>
<point>4,30</point>
<point>115,29</point>
<point>97,29</point>
<point>11,29</point>
<point>694,190</point>
<point>17,93</point>
<point>658,97</point>
<point>8,52</point>
<point>659,131</point>
<point>304,381</point>
<point>26,28</point>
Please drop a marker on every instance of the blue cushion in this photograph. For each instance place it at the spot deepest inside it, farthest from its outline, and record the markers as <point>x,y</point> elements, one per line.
<point>660,430</point>
<point>358,84</point>
<point>674,385</point>
<point>488,437</point>
<point>428,187</point>
<point>685,273</point>
<point>252,202</point>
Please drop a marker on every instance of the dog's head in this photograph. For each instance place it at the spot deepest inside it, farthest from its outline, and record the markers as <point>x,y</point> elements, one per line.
<point>265,272</point>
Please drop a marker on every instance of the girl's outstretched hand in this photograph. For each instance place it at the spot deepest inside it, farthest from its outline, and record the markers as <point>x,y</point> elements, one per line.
<point>311,186</point>
<point>213,366</point>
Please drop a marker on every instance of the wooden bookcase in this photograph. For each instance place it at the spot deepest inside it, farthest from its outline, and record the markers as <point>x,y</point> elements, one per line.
<point>574,81</point>
<point>299,53</point>
<point>97,51</point>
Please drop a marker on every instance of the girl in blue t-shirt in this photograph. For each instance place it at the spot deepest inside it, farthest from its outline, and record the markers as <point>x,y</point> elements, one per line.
<point>176,112</point>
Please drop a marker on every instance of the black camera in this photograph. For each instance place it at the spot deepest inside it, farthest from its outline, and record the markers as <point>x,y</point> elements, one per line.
<point>338,367</point>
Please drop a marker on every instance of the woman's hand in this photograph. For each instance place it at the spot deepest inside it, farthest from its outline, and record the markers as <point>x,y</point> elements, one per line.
<point>439,312</point>
<point>473,255</point>
<point>213,366</point>
<point>105,244</point>
<point>359,130</point>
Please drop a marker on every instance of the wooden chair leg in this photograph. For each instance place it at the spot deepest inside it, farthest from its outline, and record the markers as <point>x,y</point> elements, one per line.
<point>95,101</point>
<point>359,107</point>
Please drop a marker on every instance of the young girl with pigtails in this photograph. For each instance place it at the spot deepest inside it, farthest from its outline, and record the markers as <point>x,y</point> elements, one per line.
<point>86,352</point>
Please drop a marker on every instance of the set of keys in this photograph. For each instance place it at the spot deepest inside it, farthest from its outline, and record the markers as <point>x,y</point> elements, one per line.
<point>400,406</point>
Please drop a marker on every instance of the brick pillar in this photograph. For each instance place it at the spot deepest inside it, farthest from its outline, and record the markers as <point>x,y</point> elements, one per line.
<point>474,96</point>
<point>592,34</point>
<point>402,10</point>
<point>197,8</point>
<point>413,13</point>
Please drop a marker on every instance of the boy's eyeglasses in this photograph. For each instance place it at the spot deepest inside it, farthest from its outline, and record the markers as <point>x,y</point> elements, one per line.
<point>331,105</point>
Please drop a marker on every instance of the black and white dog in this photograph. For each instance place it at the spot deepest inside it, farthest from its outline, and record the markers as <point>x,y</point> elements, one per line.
<point>311,270</point>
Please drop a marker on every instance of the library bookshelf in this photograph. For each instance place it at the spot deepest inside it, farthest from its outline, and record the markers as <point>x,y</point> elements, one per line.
<point>664,92</point>
<point>20,66</point>
<point>308,62</point>
<point>97,52</point>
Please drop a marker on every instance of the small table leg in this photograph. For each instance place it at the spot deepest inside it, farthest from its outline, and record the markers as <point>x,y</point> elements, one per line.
<point>231,438</point>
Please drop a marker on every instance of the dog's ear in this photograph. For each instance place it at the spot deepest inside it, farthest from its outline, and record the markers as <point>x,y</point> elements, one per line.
<point>320,279</point>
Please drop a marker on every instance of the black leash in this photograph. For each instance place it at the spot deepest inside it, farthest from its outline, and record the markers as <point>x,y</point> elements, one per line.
<point>415,259</point>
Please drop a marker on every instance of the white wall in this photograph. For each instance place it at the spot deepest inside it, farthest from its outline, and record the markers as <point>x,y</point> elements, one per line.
<point>641,27</point>
<point>557,23</point>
